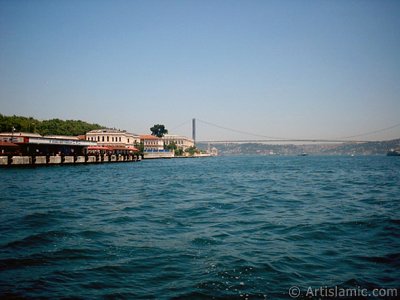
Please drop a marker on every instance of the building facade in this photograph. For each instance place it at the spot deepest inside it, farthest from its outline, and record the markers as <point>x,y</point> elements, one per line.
<point>34,144</point>
<point>112,137</point>
<point>152,143</point>
<point>182,142</point>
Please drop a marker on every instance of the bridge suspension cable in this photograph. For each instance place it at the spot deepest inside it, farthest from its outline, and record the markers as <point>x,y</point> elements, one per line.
<point>279,139</point>
<point>372,132</point>
<point>243,132</point>
<point>180,125</point>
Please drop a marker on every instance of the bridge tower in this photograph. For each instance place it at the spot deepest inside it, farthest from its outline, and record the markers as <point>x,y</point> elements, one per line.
<point>194,130</point>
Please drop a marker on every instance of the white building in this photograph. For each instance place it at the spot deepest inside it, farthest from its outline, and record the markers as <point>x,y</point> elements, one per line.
<point>180,141</point>
<point>152,143</point>
<point>112,137</point>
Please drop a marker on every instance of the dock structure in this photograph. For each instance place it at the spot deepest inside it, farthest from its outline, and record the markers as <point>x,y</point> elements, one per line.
<point>25,149</point>
<point>41,160</point>
<point>97,146</point>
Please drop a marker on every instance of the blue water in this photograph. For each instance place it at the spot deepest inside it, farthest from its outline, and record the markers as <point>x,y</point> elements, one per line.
<point>226,227</point>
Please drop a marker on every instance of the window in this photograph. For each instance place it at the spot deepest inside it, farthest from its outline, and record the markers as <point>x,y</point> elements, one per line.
<point>119,138</point>
<point>112,139</point>
<point>108,138</point>
<point>128,141</point>
<point>98,138</point>
<point>102,138</point>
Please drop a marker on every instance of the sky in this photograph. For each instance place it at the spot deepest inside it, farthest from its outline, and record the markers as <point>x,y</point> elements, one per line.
<point>287,68</point>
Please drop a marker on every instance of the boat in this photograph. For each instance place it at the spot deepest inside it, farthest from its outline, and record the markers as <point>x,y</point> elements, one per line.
<point>393,152</point>
<point>303,154</point>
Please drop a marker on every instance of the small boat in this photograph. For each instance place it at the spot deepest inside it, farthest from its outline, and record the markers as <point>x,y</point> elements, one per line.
<point>393,152</point>
<point>303,154</point>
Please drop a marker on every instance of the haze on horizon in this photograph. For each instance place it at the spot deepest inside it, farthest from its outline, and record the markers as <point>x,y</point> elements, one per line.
<point>295,69</point>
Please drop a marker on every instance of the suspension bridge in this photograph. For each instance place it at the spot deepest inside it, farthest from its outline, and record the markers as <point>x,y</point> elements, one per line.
<point>258,138</point>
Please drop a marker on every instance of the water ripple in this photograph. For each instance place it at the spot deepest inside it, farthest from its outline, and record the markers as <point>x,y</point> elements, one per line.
<point>220,228</point>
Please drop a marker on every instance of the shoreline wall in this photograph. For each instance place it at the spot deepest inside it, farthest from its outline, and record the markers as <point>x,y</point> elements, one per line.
<point>155,155</point>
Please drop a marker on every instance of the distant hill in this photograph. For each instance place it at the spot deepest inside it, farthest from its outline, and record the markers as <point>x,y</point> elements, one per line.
<point>46,127</point>
<point>369,148</point>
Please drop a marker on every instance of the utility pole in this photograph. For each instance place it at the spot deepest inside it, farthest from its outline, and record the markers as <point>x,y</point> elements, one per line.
<point>194,130</point>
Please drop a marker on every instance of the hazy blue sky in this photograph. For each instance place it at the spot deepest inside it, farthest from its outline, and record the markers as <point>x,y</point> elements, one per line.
<point>297,69</point>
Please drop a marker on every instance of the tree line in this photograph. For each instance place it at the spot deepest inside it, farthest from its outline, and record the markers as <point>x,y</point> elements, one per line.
<point>45,127</point>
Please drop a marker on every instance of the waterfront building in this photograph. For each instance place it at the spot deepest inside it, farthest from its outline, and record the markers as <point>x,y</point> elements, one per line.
<point>113,137</point>
<point>180,141</point>
<point>21,143</point>
<point>17,149</point>
<point>152,143</point>
<point>213,151</point>
<point>17,135</point>
<point>153,147</point>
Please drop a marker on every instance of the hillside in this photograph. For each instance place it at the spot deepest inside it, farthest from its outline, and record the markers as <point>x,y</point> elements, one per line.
<point>46,127</point>
<point>369,148</point>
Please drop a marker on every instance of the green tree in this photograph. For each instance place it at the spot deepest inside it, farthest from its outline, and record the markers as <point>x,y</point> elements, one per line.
<point>170,146</point>
<point>158,130</point>
<point>179,152</point>
<point>46,127</point>
<point>7,123</point>
<point>192,150</point>
<point>140,146</point>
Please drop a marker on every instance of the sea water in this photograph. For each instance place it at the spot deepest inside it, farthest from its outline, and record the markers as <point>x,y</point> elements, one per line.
<point>210,228</point>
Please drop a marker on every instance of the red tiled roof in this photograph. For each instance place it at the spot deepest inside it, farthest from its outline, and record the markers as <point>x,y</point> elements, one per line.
<point>98,148</point>
<point>131,148</point>
<point>148,137</point>
<point>118,148</point>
